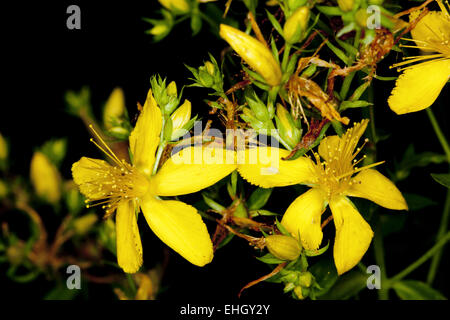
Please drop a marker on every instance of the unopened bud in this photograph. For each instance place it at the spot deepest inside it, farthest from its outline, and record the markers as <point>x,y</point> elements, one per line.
<point>210,68</point>
<point>294,29</point>
<point>286,126</point>
<point>305,279</point>
<point>298,293</point>
<point>180,118</point>
<point>3,190</point>
<point>256,54</point>
<point>45,178</point>
<point>16,253</point>
<point>361,17</point>
<point>345,5</point>
<point>283,247</point>
<point>172,89</point>
<point>114,108</point>
<point>83,224</point>
<point>176,6</point>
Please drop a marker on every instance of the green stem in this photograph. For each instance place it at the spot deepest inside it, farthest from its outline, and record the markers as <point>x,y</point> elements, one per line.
<point>285,60</point>
<point>439,133</point>
<point>162,145</point>
<point>210,21</point>
<point>441,232</point>
<point>379,258</point>
<point>422,259</point>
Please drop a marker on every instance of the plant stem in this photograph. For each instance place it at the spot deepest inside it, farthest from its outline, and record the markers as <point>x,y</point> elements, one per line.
<point>439,133</point>
<point>379,258</point>
<point>441,232</point>
<point>162,145</point>
<point>422,259</point>
<point>445,214</point>
<point>285,60</point>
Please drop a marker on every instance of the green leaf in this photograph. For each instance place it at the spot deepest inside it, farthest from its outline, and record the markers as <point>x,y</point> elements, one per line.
<point>259,198</point>
<point>282,228</point>
<point>417,202</point>
<point>326,275</point>
<point>270,259</point>
<point>442,178</point>
<point>275,23</point>
<point>416,290</point>
<point>329,11</point>
<point>260,212</point>
<point>214,205</point>
<point>318,252</point>
<point>354,104</point>
<point>347,286</point>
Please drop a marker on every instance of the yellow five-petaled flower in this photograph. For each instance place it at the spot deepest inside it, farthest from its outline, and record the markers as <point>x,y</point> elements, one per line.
<point>332,181</point>
<point>124,188</point>
<point>420,84</point>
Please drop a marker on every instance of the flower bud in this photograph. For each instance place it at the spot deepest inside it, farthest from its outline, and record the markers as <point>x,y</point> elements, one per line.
<point>210,68</point>
<point>257,106</point>
<point>249,116</point>
<point>176,6</point>
<point>294,4</point>
<point>361,17</point>
<point>256,54</point>
<point>180,118</point>
<point>294,29</point>
<point>305,279</point>
<point>45,178</point>
<point>83,224</point>
<point>345,5</point>
<point>165,96</point>
<point>298,293</point>
<point>283,247</point>
<point>172,89</point>
<point>114,108</point>
<point>286,126</point>
<point>3,148</point>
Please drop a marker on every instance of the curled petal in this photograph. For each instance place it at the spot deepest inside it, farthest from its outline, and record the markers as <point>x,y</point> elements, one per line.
<point>144,138</point>
<point>353,234</point>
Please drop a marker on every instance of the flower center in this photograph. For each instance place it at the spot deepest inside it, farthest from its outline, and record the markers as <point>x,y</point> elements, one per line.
<point>113,183</point>
<point>334,174</point>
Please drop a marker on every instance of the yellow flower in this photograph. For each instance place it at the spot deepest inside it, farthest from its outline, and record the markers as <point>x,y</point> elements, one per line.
<point>256,54</point>
<point>45,178</point>
<point>124,188</point>
<point>331,181</point>
<point>420,84</point>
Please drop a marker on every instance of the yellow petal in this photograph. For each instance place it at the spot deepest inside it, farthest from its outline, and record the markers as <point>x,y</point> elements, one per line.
<point>129,246</point>
<point>372,185</point>
<point>328,145</point>
<point>353,234</point>
<point>256,54</point>
<point>193,169</point>
<point>145,137</point>
<point>431,30</point>
<point>180,227</point>
<point>87,170</point>
<point>419,86</point>
<point>264,167</point>
<point>303,218</point>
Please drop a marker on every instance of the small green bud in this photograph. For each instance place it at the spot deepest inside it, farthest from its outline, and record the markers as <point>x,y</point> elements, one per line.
<point>294,4</point>
<point>283,247</point>
<point>166,96</point>
<point>298,293</point>
<point>305,279</point>
<point>176,6</point>
<point>287,127</point>
<point>259,126</point>
<point>345,5</point>
<point>257,106</point>
<point>361,17</point>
